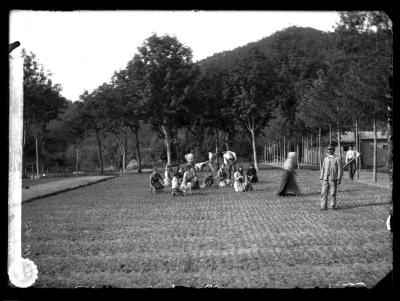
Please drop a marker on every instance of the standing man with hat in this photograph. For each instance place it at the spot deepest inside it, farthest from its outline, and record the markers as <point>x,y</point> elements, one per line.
<point>331,175</point>
<point>350,155</point>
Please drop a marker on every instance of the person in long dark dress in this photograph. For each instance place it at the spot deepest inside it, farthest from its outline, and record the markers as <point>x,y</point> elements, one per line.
<point>288,185</point>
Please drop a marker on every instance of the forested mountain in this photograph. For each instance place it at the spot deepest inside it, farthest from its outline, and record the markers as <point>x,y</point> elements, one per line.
<point>308,39</point>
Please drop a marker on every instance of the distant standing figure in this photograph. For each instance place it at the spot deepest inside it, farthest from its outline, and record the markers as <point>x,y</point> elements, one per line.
<point>351,154</point>
<point>241,181</point>
<point>331,175</point>
<point>223,177</point>
<point>156,181</point>
<point>252,174</point>
<point>288,184</point>
<point>229,161</point>
<point>167,176</point>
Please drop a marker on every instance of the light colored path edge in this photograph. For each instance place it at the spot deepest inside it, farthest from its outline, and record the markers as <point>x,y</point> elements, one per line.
<point>50,193</point>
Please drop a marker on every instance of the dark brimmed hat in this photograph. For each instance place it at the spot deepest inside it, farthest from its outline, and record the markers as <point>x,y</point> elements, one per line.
<point>331,147</point>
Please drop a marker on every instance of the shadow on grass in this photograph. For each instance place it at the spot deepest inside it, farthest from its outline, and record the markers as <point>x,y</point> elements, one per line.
<point>351,206</point>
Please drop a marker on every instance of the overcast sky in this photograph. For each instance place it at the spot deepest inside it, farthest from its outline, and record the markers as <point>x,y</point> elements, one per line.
<point>82,49</point>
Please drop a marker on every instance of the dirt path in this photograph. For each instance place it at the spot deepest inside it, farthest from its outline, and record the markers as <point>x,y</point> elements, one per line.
<point>51,188</point>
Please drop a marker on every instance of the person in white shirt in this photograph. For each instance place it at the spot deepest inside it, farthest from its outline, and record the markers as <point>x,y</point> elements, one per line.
<point>229,161</point>
<point>167,176</point>
<point>189,180</point>
<point>190,160</point>
<point>241,181</point>
<point>176,181</point>
<point>223,177</point>
<point>351,154</point>
<point>209,162</point>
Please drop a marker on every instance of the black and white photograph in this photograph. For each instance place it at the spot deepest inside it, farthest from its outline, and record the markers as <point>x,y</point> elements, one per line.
<point>223,149</point>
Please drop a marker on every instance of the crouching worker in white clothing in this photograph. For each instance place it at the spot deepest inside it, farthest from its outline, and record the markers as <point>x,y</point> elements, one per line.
<point>188,180</point>
<point>241,181</point>
<point>176,181</point>
<point>223,177</point>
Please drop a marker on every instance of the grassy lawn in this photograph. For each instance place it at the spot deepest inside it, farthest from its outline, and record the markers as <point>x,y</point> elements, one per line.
<point>116,233</point>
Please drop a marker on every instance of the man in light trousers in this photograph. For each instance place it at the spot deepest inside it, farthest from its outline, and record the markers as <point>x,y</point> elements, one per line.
<point>331,175</point>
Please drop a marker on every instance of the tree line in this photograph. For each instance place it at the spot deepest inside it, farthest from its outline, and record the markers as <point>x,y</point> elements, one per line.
<point>298,81</point>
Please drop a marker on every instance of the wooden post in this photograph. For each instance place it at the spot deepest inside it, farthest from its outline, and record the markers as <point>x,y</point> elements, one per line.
<point>15,141</point>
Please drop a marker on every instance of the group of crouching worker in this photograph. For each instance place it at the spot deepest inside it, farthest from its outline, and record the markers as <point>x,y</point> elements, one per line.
<point>184,180</point>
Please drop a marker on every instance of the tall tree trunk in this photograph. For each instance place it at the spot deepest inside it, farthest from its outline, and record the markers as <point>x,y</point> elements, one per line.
<point>126,148</point>
<point>77,161</point>
<point>312,150</point>
<point>227,141</point>
<point>375,150</point>
<point>338,141</point>
<point>37,152</point>
<point>137,144</point>
<point>297,154</point>
<point>100,153</point>
<point>265,153</point>
<point>284,147</point>
<point>167,141</point>
<point>253,140</point>
<point>124,162</point>
<point>278,146</point>
<point>122,149</point>
<point>306,152</point>
<point>330,134</point>
<point>217,146</point>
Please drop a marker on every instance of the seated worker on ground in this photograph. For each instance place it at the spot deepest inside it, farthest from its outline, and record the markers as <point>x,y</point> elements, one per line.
<point>241,181</point>
<point>189,180</point>
<point>252,174</point>
<point>156,181</point>
<point>180,172</point>
<point>176,182</point>
<point>223,177</point>
<point>208,181</point>
<point>167,176</point>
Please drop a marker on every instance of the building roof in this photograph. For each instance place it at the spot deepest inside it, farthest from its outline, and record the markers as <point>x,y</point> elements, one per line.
<point>364,135</point>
